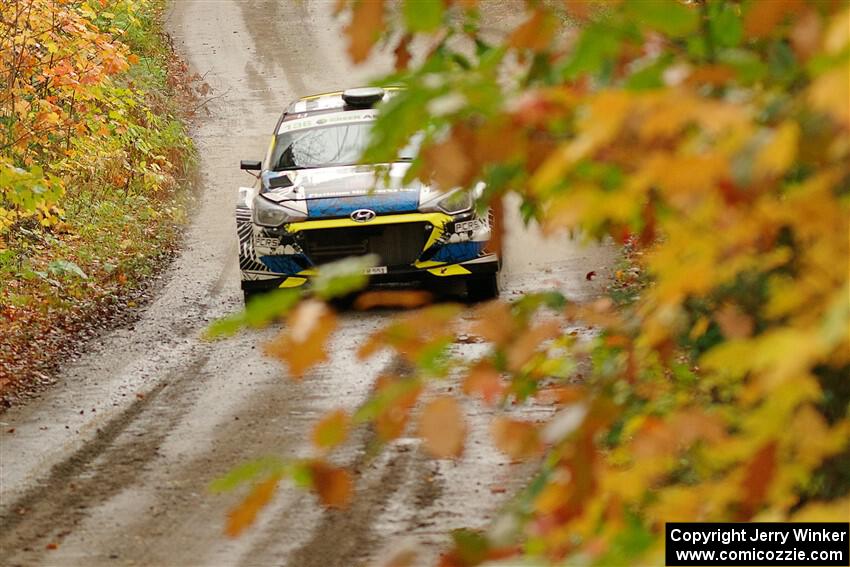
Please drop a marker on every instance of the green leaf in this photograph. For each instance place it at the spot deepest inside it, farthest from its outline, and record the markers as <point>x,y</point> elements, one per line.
<point>378,402</point>
<point>667,16</point>
<point>345,276</point>
<point>471,546</point>
<point>649,77</point>
<point>597,46</point>
<point>434,359</point>
<point>64,268</point>
<point>748,65</point>
<point>247,472</point>
<point>725,25</point>
<point>261,311</point>
<point>423,15</point>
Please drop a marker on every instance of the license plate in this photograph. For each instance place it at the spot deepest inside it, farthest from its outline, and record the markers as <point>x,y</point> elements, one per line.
<point>267,242</point>
<point>375,270</point>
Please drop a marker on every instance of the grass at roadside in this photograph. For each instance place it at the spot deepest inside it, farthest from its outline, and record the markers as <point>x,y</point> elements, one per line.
<point>124,206</point>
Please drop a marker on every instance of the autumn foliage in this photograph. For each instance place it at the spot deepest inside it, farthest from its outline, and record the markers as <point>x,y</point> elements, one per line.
<point>91,154</point>
<point>713,139</point>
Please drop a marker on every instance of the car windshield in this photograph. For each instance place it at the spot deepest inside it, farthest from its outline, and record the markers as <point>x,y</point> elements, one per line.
<point>326,146</point>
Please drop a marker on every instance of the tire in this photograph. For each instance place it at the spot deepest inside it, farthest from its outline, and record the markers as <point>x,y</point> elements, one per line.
<point>482,288</point>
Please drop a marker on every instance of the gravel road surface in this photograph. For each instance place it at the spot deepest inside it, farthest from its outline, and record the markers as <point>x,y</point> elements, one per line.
<point>111,466</point>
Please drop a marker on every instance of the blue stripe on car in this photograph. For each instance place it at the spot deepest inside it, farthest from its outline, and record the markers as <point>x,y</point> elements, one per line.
<point>458,252</point>
<point>287,265</point>
<point>383,203</point>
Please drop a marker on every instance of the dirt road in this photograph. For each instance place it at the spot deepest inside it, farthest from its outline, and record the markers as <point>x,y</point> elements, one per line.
<point>112,465</point>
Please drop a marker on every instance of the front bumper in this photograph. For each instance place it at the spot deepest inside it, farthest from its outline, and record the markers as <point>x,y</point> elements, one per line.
<point>413,246</point>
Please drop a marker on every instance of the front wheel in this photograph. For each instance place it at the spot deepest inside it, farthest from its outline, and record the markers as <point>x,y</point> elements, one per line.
<point>482,288</point>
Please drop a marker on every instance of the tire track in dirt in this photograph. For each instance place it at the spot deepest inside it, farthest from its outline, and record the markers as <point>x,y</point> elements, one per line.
<point>100,469</point>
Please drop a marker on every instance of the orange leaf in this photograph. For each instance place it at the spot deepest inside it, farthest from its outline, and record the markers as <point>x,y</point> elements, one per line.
<point>447,163</point>
<point>757,478</point>
<point>535,33</point>
<point>443,427</point>
<point>734,323</point>
<point>556,395</point>
<point>494,322</point>
<point>658,437</point>
<point>763,17</point>
<point>517,439</point>
<point>367,23</point>
<point>485,381</point>
<point>413,332</point>
<point>246,512</point>
<point>332,430</point>
<point>332,484</point>
<point>402,53</point>
<point>528,343</point>
<point>391,421</point>
<point>302,344</point>
<point>405,299</point>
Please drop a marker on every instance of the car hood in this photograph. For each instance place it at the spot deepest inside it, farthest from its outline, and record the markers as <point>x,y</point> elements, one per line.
<point>338,181</point>
<point>339,191</point>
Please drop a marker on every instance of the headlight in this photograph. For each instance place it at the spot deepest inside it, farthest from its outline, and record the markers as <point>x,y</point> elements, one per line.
<point>453,202</point>
<point>269,214</point>
<point>456,202</point>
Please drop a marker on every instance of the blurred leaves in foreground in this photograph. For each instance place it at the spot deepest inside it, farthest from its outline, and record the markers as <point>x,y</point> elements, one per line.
<point>711,138</point>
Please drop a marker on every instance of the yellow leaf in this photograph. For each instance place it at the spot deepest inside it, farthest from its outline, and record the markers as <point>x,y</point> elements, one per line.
<point>838,34</point>
<point>332,430</point>
<point>779,153</point>
<point>830,93</point>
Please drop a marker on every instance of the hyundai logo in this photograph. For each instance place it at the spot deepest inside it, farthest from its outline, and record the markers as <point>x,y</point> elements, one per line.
<point>362,215</point>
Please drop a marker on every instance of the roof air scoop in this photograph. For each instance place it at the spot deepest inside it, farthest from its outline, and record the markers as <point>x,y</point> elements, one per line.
<point>364,97</point>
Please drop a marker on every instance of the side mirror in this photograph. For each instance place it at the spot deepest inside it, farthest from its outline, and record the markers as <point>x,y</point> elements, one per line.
<point>250,165</point>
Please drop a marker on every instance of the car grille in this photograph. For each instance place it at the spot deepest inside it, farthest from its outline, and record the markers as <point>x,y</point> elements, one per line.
<point>396,244</point>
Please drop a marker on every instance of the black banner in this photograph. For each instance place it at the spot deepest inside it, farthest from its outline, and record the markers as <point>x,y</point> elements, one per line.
<point>768,543</point>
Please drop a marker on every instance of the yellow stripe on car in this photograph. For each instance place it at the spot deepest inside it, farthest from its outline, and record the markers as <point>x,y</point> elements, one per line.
<point>427,264</point>
<point>437,220</point>
<point>292,282</point>
<point>453,270</point>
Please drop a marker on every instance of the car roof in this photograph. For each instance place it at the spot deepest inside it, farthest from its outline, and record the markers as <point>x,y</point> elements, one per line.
<point>325,102</point>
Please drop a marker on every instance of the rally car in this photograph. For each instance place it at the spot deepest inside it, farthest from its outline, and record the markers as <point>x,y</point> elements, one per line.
<point>315,203</point>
